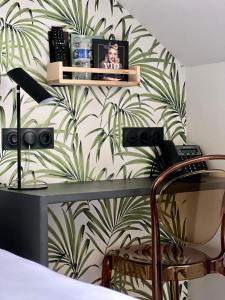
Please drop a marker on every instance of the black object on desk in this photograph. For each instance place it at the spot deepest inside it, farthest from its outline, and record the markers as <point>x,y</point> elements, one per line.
<point>41,96</point>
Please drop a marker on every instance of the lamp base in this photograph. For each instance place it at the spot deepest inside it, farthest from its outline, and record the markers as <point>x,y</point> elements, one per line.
<point>27,187</point>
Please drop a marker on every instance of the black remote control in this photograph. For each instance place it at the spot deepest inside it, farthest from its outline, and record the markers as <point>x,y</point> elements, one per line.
<point>59,45</point>
<point>58,38</point>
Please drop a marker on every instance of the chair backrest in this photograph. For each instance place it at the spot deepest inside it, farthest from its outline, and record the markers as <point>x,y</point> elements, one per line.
<point>190,207</point>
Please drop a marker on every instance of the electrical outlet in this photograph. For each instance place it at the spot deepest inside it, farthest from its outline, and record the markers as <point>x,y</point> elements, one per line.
<point>33,138</point>
<point>142,136</point>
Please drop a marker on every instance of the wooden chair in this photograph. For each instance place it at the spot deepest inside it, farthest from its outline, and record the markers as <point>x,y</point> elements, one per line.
<point>189,207</point>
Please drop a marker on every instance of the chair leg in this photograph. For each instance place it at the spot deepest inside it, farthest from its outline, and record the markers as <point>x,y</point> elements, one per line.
<point>174,290</point>
<point>106,271</point>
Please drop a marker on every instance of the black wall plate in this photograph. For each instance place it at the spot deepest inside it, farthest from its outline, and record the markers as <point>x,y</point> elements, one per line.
<point>33,138</point>
<point>142,136</point>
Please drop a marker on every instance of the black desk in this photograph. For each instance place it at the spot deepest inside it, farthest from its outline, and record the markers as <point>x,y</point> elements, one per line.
<point>24,214</point>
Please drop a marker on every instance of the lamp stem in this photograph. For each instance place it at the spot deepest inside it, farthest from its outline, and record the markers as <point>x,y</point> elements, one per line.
<point>18,103</point>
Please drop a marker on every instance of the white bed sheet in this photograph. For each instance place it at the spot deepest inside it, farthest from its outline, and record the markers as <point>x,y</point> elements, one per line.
<point>22,279</point>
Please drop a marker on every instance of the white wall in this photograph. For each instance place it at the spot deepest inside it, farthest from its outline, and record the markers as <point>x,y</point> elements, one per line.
<point>206,106</point>
<point>206,127</point>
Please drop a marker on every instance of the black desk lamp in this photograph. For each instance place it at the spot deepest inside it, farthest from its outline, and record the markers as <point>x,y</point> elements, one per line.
<point>41,96</point>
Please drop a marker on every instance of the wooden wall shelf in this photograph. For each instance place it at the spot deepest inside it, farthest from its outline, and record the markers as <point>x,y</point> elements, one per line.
<point>55,72</point>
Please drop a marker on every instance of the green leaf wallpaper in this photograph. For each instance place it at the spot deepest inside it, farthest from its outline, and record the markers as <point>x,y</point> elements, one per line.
<point>88,126</point>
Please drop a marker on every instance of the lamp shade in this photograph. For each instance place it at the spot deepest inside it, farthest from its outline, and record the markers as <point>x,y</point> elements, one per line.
<point>30,86</point>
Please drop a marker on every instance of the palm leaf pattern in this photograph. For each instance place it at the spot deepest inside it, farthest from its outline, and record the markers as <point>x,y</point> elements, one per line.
<point>172,217</point>
<point>171,97</point>
<point>148,60</point>
<point>74,104</point>
<point>141,158</point>
<point>20,34</point>
<point>111,4</point>
<point>112,220</point>
<point>88,124</point>
<point>130,111</point>
<point>6,58</point>
<point>166,89</point>
<point>69,250</point>
<point>4,2</point>
<point>68,164</point>
<point>74,15</point>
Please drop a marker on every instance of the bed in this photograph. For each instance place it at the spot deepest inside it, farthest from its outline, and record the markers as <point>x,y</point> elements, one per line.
<point>22,279</point>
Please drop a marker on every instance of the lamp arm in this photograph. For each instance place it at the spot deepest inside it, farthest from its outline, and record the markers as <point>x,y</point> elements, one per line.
<point>18,103</point>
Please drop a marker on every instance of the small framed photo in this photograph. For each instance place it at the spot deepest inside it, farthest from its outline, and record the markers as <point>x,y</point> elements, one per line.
<point>110,54</point>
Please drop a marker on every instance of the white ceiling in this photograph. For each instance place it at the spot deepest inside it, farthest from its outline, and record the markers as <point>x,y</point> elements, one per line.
<point>193,30</point>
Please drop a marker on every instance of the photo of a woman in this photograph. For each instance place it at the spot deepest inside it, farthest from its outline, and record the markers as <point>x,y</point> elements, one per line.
<point>110,55</point>
<point>111,61</point>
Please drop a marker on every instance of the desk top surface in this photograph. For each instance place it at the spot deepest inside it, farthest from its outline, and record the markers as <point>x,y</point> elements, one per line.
<point>63,192</point>
<point>105,189</point>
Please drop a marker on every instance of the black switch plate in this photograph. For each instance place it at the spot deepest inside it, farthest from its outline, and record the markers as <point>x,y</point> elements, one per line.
<point>142,136</point>
<point>33,138</point>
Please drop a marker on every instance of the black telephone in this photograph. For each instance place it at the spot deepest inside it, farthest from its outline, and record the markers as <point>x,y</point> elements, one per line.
<point>171,154</point>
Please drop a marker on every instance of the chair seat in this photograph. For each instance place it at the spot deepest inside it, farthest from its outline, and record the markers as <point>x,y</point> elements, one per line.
<point>171,254</point>
<point>189,207</point>
<point>178,262</point>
